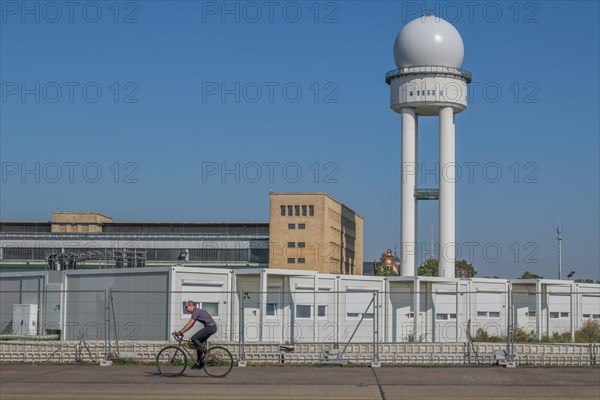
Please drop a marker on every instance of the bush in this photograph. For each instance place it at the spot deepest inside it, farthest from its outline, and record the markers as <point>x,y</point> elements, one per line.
<point>589,332</point>
<point>483,336</point>
<point>556,337</point>
<point>521,336</point>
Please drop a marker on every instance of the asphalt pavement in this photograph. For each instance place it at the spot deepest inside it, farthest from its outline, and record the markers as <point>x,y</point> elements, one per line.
<point>81,381</point>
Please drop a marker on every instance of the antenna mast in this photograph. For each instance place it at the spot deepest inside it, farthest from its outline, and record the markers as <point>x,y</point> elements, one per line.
<point>559,238</point>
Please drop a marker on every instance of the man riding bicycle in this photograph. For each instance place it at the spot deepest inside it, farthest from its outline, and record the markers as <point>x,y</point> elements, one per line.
<point>200,337</point>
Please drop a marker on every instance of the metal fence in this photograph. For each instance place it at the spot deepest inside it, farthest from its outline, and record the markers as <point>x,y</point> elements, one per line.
<point>287,318</point>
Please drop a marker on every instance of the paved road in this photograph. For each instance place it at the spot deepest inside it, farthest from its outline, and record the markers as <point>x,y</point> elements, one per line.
<point>141,382</point>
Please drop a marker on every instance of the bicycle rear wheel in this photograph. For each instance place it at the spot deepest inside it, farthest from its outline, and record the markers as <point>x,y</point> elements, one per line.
<point>171,361</point>
<point>218,362</point>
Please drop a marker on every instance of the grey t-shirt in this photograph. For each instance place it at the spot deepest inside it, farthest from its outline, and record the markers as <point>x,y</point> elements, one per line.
<point>202,316</point>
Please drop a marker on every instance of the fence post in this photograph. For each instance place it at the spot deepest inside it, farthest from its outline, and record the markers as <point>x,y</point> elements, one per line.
<point>242,355</point>
<point>106,361</point>
<point>375,362</point>
<point>510,346</point>
<point>572,313</point>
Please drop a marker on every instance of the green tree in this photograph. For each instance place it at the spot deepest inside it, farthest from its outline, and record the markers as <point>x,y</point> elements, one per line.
<point>462,269</point>
<point>383,270</point>
<point>530,275</point>
<point>428,268</point>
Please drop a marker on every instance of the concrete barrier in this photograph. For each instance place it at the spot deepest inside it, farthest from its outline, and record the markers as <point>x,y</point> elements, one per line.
<point>568,354</point>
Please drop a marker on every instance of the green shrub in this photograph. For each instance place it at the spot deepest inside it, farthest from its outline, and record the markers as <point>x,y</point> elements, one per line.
<point>483,336</point>
<point>589,332</point>
<point>521,336</point>
<point>556,337</point>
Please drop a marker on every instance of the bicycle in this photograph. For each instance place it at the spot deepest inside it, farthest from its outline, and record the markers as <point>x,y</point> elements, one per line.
<point>172,361</point>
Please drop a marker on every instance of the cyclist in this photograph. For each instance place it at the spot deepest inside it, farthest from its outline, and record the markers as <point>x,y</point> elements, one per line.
<point>200,337</point>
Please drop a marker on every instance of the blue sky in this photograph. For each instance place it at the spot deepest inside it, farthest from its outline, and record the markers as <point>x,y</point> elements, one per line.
<point>135,109</point>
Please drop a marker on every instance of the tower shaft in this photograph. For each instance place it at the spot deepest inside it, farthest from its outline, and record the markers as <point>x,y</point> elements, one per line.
<point>447,197</point>
<point>421,92</point>
<point>408,212</point>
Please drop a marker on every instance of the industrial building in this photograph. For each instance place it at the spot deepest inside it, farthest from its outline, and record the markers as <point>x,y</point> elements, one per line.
<point>316,232</point>
<point>307,231</point>
<point>93,237</point>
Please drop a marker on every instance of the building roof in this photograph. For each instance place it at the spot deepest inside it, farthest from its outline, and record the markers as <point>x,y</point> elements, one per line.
<point>315,194</point>
<point>143,227</point>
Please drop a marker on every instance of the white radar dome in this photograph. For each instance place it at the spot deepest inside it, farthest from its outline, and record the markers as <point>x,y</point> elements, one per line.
<point>429,41</point>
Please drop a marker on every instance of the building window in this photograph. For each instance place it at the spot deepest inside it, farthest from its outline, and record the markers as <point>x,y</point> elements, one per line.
<point>290,211</point>
<point>301,260</point>
<point>212,308</point>
<point>488,314</point>
<point>322,311</point>
<point>561,315</point>
<point>418,92</point>
<point>283,211</point>
<point>291,226</point>
<point>531,313</point>
<point>410,93</point>
<point>446,317</point>
<point>303,311</point>
<point>271,309</point>
<point>441,92</point>
<point>304,211</point>
<point>291,245</point>
<point>301,245</point>
<point>301,226</point>
<point>311,211</point>
<point>358,315</point>
<point>297,211</point>
<point>410,315</point>
<point>291,261</point>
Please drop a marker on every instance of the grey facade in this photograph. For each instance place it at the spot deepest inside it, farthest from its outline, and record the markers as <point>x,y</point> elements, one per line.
<point>26,245</point>
<point>75,302</point>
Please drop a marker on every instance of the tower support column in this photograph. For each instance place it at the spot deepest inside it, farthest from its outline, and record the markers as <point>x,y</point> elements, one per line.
<point>447,199</point>
<point>409,172</point>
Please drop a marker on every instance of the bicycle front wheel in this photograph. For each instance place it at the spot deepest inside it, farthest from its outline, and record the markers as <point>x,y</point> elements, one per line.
<point>218,362</point>
<point>171,361</point>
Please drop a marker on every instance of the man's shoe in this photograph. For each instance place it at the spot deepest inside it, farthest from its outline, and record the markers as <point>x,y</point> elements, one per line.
<point>198,365</point>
